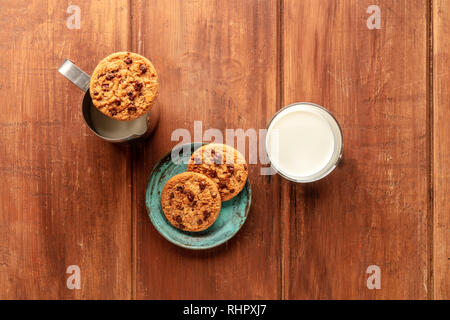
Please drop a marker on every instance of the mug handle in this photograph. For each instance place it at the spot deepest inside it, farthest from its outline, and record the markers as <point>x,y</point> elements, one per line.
<point>75,75</point>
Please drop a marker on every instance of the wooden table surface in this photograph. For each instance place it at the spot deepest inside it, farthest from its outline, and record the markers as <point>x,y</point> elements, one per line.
<point>68,198</point>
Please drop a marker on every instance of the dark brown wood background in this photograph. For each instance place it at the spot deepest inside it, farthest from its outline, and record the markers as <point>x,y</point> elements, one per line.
<point>68,198</point>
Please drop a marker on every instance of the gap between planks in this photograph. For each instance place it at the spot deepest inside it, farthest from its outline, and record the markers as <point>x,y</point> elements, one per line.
<point>284,243</point>
<point>132,46</point>
<point>430,124</point>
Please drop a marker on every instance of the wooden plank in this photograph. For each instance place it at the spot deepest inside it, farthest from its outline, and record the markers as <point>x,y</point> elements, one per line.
<point>217,62</point>
<point>65,195</point>
<point>373,210</point>
<point>441,143</point>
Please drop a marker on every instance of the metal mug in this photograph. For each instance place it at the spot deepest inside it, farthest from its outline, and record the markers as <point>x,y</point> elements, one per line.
<point>111,130</point>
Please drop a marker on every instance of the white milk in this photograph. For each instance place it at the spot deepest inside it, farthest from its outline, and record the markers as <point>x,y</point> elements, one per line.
<point>115,129</point>
<point>301,142</point>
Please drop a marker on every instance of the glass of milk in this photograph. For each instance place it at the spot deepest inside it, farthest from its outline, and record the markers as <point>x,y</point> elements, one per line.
<point>304,142</point>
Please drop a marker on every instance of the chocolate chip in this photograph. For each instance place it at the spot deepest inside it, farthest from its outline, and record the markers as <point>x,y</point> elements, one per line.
<point>143,68</point>
<point>178,219</point>
<point>190,196</point>
<point>137,86</point>
<point>179,206</point>
<point>130,96</point>
<point>105,86</point>
<point>232,190</point>
<point>199,221</point>
<point>181,226</point>
<point>212,174</point>
<point>180,188</point>
<point>128,60</point>
<point>118,102</point>
<point>230,168</point>
<point>213,152</point>
<point>131,110</point>
<point>245,167</point>
<point>214,195</point>
<point>239,178</point>
<point>95,93</point>
<point>171,195</point>
<point>109,76</point>
<point>222,185</point>
<point>113,111</point>
<point>202,185</point>
<point>206,214</point>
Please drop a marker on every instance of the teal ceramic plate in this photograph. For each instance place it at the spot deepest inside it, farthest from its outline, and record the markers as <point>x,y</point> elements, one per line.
<point>231,218</point>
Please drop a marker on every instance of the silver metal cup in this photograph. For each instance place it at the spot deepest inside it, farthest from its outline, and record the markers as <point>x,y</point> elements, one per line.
<point>108,129</point>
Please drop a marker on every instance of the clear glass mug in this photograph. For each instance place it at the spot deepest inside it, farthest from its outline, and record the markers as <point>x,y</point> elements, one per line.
<point>106,128</point>
<point>334,133</point>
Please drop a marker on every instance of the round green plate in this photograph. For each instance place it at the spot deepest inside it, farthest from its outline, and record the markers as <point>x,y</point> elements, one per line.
<point>231,218</point>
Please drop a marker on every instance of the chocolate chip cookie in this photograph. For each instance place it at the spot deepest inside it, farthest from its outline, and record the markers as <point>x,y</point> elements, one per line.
<point>124,86</point>
<point>191,201</point>
<point>224,165</point>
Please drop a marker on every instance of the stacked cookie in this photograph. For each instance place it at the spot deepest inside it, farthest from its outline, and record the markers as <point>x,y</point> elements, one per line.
<point>192,200</point>
<point>124,86</point>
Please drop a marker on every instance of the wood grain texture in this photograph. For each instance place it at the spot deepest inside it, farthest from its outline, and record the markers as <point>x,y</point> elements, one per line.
<point>217,62</point>
<point>68,198</point>
<point>441,158</point>
<point>65,195</point>
<point>373,210</point>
